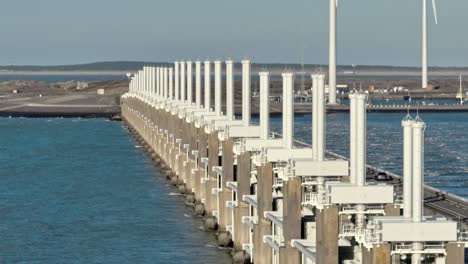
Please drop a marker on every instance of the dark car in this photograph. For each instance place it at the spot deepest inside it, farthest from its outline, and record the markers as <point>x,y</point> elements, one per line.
<point>382,176</point>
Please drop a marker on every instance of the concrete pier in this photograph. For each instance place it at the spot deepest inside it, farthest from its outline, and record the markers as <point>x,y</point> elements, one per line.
<point>268,198</point>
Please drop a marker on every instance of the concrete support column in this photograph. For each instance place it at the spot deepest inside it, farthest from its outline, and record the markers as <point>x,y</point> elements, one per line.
<point>161,82</point>
<point>264,204</point>
<point>183,84</point>
<point>353,137</point>
<point>314,116</point>
<point>228,176</point>
<point>171,84</point>
<point>165,90</point>
<point>158,83</point>
<point>198,84</point>
<point>213,160</point>
<point>407,166</point>
<point>241,234</point>
<point>207,90</point>
<point>361,139</point>
<point>418,180</point>
<point>292,220</point>
<point>246,86</point>
<point>217,70</point>
<point>264,105</point>
<point>230,89</point>
<point>418,169</point>
<point>321,117</point>
<point>189,82</point>
<point>379,254</point>
<point>176,81</point>
<point>455,253</point>
<point>327,235</point>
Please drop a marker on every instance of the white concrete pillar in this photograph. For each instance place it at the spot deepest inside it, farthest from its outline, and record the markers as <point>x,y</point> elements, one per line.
<point>353,109</point>
<point>183,84</point>
<point>264,105</point>
<point>288,109</point>
<point>158,82</point>
<point>332,54</point>
<point>166,82</point>
<point>321,117</point>
<point>217,65</point>
<point>418,169</point>
<point>171,84</point>
<point>161,82</point>
<point>314,116</point>
<point>140,83</point>
<point>152,82</point>
<point>143,88</point>
<point>246,86</point>
<point>230,89</point>
<point>189,82</point>
<point>407,125</point>
<point>207,86</point>
<point>176,81</point>
<point>198,84</point>
<point>361,139</point>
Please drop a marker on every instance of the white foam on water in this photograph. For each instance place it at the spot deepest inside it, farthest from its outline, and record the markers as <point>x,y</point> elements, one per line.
<point>174,194</point>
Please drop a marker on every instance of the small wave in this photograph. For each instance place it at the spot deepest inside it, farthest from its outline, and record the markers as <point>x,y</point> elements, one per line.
<point>137,146</point>
<point>211,246</point>
<point>201,228</point>
<point>187,215</point>
<point>174,194</point>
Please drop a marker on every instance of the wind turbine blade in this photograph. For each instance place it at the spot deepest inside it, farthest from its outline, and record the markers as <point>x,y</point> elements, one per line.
<point>434,9</point>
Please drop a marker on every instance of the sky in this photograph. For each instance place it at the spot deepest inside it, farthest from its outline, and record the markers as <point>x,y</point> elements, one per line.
<point>370,32</point>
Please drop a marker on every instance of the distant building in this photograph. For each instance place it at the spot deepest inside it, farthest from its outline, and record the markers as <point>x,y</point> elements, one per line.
<point>81,85</point>
<point>100,91</point>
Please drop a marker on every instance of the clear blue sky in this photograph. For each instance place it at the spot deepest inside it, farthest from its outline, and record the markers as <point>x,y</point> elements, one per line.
<point>378,32</point>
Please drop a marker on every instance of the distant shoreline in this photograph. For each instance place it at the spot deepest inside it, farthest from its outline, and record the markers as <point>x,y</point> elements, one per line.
<point>47,72</point>
<point>341,74</point>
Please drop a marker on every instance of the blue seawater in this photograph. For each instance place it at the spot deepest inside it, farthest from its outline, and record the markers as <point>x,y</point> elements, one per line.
<point>81,191</point>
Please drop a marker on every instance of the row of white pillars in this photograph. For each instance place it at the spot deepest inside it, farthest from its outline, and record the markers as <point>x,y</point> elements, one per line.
<point>288,110</point>
<point>177,83</point>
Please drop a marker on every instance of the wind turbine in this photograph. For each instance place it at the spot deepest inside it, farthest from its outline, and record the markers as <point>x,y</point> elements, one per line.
<point>332,53</point>
<point>424,38</point>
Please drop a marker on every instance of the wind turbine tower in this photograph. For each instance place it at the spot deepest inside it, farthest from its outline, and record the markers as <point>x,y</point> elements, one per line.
<point>424,39</point>
<point>332,54</point>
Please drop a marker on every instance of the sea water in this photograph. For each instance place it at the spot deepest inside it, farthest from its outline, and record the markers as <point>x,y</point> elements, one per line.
<point>82,191</point>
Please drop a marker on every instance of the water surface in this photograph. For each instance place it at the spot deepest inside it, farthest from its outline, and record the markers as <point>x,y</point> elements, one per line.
<point>80,191</point>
